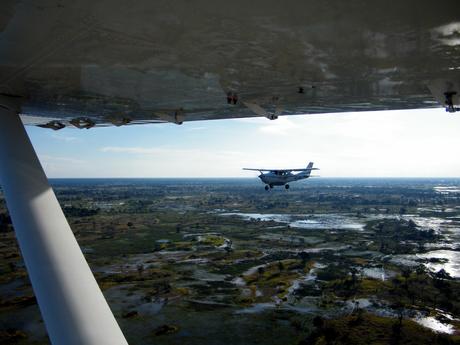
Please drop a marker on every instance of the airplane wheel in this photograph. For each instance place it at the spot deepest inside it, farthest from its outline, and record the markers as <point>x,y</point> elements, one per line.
<point>286,186</point>
<point>271,186</point>
<point>267,188</point>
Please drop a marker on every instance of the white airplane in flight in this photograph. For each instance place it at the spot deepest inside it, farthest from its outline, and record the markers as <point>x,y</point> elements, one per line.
<point>282,177</point>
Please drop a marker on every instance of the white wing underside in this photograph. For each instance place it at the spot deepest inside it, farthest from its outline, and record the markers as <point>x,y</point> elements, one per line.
<point>116,63</point>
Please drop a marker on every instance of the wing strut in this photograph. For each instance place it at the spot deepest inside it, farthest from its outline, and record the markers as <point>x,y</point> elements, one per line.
<point>72,305</point>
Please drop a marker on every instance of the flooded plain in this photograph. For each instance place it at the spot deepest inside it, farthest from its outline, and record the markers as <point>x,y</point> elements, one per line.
<point>187,262</point>
<point>312,222</point>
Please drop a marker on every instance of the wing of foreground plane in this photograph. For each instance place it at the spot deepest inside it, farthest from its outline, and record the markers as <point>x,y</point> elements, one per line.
<point>89,63</point>
<point>86,63</point>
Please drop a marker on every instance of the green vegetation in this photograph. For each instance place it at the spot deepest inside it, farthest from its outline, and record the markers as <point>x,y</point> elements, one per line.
<point>399,236</point>
<point>364,328</point>
<point>213,240</point>
<point>318,264</point>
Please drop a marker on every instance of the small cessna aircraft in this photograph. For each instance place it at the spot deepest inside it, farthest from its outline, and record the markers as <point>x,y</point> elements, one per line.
<point>281,177</point>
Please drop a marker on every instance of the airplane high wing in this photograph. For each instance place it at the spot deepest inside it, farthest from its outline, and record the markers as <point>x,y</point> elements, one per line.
<point>281,170</point>
<point>86,63</point>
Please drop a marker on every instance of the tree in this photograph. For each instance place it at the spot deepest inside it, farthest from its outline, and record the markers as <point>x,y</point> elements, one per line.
<point>5,222</point>
<point>406,274</point>
<point>280,266</point>
<point>412,224</point>
<point>442,274</point>
<point>260,270</point>
<point>140,269</point>
<point>354,277</point>
<point>420,270</point>
<point>318,322</point>
<point>400,310</point>
<point>304,256</point>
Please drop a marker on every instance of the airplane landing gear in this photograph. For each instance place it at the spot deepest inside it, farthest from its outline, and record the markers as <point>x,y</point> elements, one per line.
<point>266,187</point>
<point>286,186</point>
<point>271,186</point>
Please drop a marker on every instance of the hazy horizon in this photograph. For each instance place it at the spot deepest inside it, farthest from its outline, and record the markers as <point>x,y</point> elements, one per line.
<point>256,179</point>
<point>406,143</point>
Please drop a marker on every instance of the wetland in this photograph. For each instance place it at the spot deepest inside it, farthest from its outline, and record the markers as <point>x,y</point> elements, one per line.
<point>222,261</point>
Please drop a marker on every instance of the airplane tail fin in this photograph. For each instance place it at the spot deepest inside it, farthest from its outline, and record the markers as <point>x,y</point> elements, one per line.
<point>308,169</point>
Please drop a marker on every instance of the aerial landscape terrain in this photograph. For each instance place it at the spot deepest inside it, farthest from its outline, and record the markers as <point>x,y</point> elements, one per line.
<point>222,261</point>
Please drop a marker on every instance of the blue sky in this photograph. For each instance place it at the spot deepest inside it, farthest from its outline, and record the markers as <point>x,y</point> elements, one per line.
<point>415,143</point>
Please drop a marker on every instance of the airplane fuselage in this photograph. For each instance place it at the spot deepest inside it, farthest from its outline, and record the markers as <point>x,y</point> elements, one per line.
<point>281,177</point>
<point>275,179</point>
